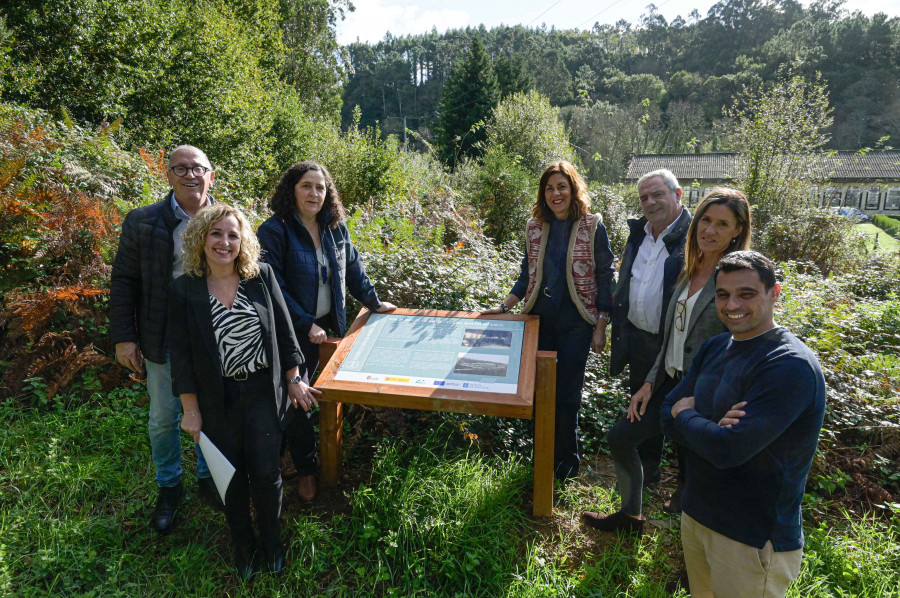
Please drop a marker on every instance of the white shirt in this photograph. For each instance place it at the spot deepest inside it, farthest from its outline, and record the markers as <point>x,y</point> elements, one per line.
<point>675,350</point>
<point>323,295</point>
<point>645,293</point>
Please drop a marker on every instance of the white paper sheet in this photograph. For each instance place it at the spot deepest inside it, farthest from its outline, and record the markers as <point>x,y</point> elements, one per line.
<point>220,468</point>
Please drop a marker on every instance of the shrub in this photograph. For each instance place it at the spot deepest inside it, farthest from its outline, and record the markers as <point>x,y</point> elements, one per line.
<point>852,324</point>
<point>780,131</point>
<point>527,127</point>
<point>365,167</point>
<point>822,240</point>
<point>609,202</point>
<point>174,72</point>
<point>457,278</point>
<point>504,195</point>
<point>59,188</point>
<point>888,224</point>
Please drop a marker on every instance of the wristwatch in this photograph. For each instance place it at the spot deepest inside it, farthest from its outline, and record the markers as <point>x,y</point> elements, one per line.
<point>296,380</point>
<point>504,308</point>
<point>604,317</point>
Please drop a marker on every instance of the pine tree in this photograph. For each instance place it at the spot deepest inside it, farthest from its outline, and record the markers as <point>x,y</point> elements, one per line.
<point>513,75</point>
<point>469,97</point>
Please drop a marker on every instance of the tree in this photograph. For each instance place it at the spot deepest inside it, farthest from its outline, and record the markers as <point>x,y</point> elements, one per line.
<point>513,74</point>
<point>528,128</point>
<point>780,132</point>
<point>468,98</point>
<point>607,135</point>
<point>503,195</point>
<point>314,59</point>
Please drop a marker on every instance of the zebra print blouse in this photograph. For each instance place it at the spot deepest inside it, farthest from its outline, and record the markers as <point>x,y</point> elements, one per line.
<point>238,335</point>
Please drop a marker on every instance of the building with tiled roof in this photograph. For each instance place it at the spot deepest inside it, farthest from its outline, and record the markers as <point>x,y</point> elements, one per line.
<point>869,181</point>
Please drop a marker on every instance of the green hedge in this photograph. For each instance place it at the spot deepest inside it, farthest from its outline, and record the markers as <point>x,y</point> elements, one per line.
<point>888,224</point>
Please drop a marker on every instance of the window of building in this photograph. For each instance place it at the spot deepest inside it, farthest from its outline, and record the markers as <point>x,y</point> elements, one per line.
<point>832,196</point>
<point>873,198</point>
<point>892,198</point>
<point>853,197</point>
<point>693,195</point>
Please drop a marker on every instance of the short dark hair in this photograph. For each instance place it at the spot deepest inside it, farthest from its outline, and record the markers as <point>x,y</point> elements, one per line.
<point>284,204</point>
<point>749,260</point>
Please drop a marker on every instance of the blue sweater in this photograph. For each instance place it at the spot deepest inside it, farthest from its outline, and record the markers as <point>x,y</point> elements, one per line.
<point>746,482</point>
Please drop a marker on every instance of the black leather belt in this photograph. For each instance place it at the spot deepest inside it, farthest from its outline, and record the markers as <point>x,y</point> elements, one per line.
<point>245,376</point>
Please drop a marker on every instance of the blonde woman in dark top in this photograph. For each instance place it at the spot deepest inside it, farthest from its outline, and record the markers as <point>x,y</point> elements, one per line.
<point>236,366</point>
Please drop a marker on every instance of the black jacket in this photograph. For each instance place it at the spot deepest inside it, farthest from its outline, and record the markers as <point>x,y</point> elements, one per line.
<point>619,349</point>
<point>196,365</point>
<point>141,272</point>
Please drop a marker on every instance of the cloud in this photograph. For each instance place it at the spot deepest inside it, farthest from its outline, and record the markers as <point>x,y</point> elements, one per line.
<point>373,18</point>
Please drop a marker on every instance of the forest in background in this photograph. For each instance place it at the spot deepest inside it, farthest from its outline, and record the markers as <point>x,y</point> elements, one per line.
<point>653,86</point>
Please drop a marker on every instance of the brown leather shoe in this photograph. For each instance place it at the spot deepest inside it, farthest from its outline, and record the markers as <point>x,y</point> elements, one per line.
<point>288,471</point>
<point>617,522</point>
<point>307,487</point>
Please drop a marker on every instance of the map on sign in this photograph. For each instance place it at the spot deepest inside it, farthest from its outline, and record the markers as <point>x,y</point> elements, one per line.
<point>428,351</point>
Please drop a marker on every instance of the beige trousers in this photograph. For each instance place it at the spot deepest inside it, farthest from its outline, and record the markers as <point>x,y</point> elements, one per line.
<point>719,567</point>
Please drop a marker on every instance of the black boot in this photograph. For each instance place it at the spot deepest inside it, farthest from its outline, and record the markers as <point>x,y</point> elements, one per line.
<point>673,503</point>
<point>163,519</point>
<point>275,558</point>
<point>246,560</point>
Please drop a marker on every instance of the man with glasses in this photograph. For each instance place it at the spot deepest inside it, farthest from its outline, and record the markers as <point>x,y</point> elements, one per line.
<point>749,411</point>
<point>148,258</point>
<point>651,263</point>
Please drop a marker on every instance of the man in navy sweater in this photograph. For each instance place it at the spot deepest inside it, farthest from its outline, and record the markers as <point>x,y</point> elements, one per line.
<point>749,411</point>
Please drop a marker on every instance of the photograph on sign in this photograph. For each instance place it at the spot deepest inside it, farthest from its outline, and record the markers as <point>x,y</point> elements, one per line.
<point>426,351</point>
<point>499,339</point>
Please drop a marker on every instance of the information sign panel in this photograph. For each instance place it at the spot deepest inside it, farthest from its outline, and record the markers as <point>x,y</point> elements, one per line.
<point>460,362</point>
<point>426,351</point>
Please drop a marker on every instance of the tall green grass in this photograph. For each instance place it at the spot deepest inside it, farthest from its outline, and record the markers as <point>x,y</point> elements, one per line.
<point>437,517</point>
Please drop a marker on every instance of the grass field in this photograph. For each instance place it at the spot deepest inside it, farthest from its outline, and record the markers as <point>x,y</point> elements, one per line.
<point>886,242</point>
<point>416,516</point>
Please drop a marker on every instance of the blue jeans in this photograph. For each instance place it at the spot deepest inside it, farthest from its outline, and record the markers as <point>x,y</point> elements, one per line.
<point>165,435</point>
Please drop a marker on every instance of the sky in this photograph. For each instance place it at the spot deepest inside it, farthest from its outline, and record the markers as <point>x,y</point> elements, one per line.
<point>373,18</point>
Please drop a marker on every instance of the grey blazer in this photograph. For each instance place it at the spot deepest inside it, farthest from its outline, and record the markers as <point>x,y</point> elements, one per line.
<point>704,324</point>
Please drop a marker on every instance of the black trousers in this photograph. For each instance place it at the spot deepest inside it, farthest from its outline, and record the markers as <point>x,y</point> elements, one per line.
<point>624,439</point>
<point>251,441</point>
<point>564,330</point>
<point>644,347</point>
<point>301,432</point>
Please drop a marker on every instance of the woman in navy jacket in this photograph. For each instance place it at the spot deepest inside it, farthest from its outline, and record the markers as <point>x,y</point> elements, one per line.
<point>309,248</point>
<point>235,365</point>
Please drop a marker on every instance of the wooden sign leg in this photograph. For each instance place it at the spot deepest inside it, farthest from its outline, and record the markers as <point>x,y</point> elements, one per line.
<point>331,427</point>
<point>331,442</point>
<point>544,432</point>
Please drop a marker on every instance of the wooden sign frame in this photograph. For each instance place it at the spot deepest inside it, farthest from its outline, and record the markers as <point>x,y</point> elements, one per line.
<point>535,397</point>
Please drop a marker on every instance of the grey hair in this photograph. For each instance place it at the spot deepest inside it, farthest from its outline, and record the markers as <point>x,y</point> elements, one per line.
<point>666,175</point>
<point>191,148</point>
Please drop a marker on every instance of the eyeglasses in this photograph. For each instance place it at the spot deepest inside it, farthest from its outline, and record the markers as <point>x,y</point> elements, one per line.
<point>198,171</point>
<point>680,308</point>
